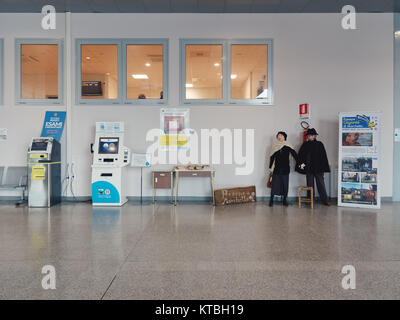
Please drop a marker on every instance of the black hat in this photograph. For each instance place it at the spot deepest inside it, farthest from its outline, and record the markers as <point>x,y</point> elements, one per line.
<point>311,132</point>
<point>282,133</point>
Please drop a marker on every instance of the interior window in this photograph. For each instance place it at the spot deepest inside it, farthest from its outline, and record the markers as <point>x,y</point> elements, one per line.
<point>249,71</point>
<point>144,76</point>
<point>39,71</point>
<point>99,71</point>
<point>203,71</point>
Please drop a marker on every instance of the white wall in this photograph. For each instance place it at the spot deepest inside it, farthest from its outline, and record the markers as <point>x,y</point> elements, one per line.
<point>23,122</point>
<point>314,61</point>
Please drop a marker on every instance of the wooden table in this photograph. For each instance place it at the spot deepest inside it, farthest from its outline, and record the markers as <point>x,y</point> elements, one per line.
<point>204,173</point>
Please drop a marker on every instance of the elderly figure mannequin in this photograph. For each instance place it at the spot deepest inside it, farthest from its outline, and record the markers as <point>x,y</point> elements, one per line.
<point>313,162</point>
<point>280,168</point>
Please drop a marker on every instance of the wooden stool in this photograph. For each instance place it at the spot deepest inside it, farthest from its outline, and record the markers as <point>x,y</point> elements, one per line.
<point>306,200</point>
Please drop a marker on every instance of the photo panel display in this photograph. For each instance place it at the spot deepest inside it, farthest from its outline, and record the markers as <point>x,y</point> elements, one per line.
<point>358,179</point>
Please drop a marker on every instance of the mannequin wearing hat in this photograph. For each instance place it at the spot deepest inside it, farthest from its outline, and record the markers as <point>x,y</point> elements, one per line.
<point>313,162</point>
<point>280,167</point>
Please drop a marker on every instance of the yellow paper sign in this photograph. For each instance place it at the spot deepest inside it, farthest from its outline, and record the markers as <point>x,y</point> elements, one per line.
<point>37,155</point>
<point>38,173</point>
<point>173,140</point>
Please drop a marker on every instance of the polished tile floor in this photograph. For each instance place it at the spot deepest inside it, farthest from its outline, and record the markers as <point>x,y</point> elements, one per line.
<point>196,251</point>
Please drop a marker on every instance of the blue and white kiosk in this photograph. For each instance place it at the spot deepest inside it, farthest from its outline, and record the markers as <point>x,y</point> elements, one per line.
<point>110,160</point>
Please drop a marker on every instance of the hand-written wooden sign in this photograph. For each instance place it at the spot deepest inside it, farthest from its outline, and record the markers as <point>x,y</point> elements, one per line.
<point>235,195</point>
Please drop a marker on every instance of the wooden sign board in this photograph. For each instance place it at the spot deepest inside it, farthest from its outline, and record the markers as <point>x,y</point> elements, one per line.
<point>235,195</point>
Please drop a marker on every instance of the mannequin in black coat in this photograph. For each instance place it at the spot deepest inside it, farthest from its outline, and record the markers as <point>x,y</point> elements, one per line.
<point>281,158</point>
<point>313,162</point>
<point>312,154</point>
<point>280,167</point>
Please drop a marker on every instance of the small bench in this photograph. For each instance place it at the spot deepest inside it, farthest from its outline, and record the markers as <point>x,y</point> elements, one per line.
<point>15,178</point>
<point>306,200</point>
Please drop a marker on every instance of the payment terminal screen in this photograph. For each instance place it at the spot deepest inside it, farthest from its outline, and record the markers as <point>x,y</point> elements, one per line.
<point>39,145</point>
<point>108,145</point>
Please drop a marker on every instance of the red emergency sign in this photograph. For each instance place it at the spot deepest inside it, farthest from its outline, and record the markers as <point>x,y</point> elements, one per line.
<point>304,111</point>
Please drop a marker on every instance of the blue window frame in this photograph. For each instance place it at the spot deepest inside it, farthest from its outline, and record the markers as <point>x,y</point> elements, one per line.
<point>25,89</point>
<point>1,71</point>
<point>259,84</point>
<point>212,50</point>
<point>154,51</point>
<point>93,88</point>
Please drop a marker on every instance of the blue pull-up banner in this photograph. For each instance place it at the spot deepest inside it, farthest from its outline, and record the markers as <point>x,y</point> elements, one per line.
<point>53,124</point>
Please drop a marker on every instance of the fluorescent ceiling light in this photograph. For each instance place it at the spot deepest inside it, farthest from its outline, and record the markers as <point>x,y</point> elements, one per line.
<point>189,85</point>
<point>233,76</point>
<point>216,64</point>
<point>397,34</point>
<point>140,76</point>
<point>147,64</point>
<point>87,58</point>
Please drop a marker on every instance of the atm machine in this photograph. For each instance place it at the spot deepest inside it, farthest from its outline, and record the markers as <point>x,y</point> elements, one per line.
<point>110,160</point>
<point>44,172</point>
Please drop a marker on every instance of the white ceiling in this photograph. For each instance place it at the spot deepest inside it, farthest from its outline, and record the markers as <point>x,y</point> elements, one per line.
<point>39,58</point>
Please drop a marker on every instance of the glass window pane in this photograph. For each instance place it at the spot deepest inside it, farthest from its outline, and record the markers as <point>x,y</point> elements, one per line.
<point>39,71</point>
<point>249,74</point>
<point>144,74</point>
<point>203,71</point>
<point>99,71</point>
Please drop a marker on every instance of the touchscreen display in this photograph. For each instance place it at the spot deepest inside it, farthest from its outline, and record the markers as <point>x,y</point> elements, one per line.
<point>108,145</point>
<point>39,145</point>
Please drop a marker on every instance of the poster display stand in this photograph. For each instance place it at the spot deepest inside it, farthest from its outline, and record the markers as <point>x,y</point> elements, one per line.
<point>359,153</point>
<point>141,160</point>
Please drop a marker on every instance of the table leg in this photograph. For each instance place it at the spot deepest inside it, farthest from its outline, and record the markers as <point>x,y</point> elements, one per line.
<point>176,186</point>
<point>172,187</point>
<point>154,190</point>
<point>141,185</point>
<point>212,187</point>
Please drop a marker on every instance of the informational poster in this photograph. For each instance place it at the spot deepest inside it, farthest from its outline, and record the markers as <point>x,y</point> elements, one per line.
<point>174,123</point>
<point>141,160</point>
<point>109,127</point>
<point>53,125</point>
<point>359,172</point>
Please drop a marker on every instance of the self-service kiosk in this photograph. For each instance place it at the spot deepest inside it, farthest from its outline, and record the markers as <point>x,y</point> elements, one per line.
<point>44,172</point>
<point>110,160</point>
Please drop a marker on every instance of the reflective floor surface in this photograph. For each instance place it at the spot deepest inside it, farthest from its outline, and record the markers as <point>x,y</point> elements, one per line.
<point>196,251</point>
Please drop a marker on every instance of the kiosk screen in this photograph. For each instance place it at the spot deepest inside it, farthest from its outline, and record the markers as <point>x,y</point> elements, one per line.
<point>108,145</point>
<point>39,145</point>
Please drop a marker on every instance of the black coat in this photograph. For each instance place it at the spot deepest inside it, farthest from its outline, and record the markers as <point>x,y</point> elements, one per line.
<point>281,158</point>
<point>313,155</point>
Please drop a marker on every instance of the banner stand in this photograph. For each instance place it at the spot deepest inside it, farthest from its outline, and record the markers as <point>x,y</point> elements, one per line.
<point>359,157</point>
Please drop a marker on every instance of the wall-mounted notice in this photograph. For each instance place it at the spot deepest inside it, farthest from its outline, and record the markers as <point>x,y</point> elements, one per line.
<point>174,123</point>
<point>109,127</point>
<point>359,152</point>
<point>304,111</point>
<point>3,133</point>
